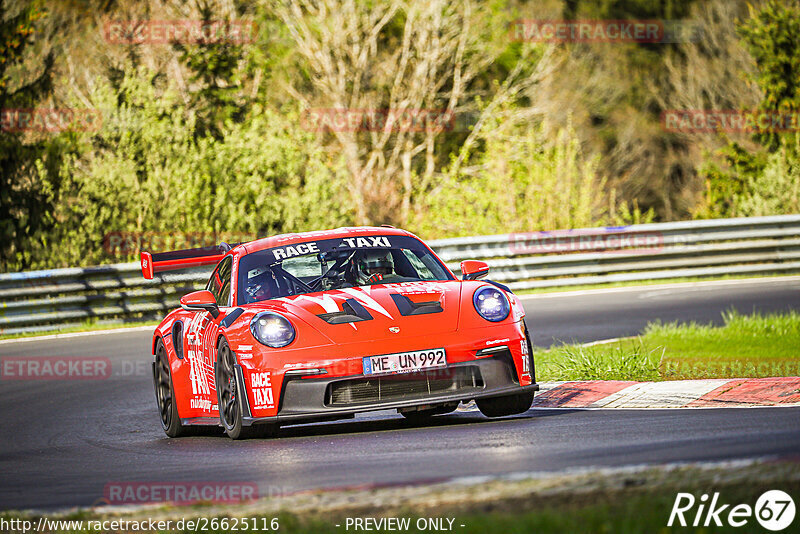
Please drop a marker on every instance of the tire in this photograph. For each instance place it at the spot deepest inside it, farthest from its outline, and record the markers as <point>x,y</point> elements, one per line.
<point>165,395</point>
<point>230,409</point>
<point>422,415</point>
<point>511,404</point>
<point>507,405</point>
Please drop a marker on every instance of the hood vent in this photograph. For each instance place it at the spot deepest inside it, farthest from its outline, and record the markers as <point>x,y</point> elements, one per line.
<point>352,312</point>
<point>407,307</point>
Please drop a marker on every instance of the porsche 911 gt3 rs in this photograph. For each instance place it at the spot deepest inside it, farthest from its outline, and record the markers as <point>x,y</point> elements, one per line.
<point>320,326</point>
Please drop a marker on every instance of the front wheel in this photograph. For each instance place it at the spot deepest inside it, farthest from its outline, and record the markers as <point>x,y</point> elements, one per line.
<point>506,405</point>
<point>230,413</point>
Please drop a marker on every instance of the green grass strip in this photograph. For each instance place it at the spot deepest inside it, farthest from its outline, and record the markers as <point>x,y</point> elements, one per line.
<point>746,346</point>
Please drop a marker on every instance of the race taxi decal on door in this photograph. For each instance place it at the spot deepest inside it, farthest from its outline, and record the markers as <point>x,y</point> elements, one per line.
<point>201,370</point>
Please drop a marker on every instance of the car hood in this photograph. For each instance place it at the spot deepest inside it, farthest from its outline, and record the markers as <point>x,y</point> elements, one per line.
<point>380,311</point>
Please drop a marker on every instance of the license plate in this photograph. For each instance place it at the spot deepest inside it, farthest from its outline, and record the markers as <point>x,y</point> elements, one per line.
<point>405,362</point>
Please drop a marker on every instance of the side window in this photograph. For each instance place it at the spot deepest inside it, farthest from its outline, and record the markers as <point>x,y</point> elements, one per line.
<point>220,282</point>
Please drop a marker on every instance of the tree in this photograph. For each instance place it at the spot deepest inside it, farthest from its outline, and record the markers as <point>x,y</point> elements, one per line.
<point>24,203</point>
<point>772,35</point>
<point>766,179</point>
<point>385,65</point>
<point>613,93</point>
<point>214,74</point>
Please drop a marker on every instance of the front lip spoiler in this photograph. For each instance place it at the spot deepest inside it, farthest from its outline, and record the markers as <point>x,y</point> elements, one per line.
<point>348,410</point>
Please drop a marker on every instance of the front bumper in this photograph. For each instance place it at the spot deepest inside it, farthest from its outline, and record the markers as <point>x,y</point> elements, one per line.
<point>329,398</point>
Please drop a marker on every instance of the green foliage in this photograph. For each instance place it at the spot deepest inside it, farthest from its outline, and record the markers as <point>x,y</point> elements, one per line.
<point>615,93</point>
<point>627,215</point>
<point>744,346</point>
<point>147,170</point>
<point>729,184</point>
<point>215,77</point>
<point>754,327</point>
<point>776,189</point>
<point>24,208</point>
<point>16,34</point>
<point>626,361</point>
<point>772,36</point>
<point>207,137</point>
<point>766,180</point>
<point>520,181</point>
<point>514,184</point>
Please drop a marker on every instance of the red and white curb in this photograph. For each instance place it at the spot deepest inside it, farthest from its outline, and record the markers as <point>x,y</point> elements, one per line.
<point>737,392</point>
<point>718,393</point>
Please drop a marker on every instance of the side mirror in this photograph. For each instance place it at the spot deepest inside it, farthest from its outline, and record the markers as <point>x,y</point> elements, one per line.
<point>474,269</point>
<point>200,300</point>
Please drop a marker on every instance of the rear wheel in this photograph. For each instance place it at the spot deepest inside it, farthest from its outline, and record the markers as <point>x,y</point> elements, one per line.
<point>507,405</point>
<point>165,395</point>
<point>230,413</point>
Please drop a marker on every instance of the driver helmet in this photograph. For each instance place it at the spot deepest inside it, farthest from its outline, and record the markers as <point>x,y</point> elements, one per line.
<point>261,284</point>
<point>373,265</point>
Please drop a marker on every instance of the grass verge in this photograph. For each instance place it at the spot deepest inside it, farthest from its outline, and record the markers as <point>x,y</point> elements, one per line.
<point>746,346</point>
<point>621,501</point>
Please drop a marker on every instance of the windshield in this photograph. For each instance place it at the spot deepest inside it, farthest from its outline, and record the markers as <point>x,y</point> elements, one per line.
<point>335,264</point>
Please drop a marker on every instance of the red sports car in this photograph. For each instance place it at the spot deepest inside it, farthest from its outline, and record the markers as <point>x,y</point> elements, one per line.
<point>319,326</point>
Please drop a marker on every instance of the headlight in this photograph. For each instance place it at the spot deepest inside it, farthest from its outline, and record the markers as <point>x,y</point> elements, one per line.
<point>272,330</point>
<point>491,304</point>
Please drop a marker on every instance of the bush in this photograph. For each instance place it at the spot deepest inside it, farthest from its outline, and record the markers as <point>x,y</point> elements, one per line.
<point>145,171</point>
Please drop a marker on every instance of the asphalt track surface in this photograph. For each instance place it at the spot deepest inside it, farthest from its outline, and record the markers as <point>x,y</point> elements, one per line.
<point>64,441</point>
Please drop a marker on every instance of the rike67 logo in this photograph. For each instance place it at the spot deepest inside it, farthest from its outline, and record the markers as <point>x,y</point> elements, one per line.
<point>774,510</point>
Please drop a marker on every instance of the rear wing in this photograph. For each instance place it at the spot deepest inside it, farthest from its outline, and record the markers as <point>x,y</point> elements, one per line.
<point>182,259</point>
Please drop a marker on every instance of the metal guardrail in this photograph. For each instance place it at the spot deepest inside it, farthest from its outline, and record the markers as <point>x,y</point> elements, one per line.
<point>38,300</point>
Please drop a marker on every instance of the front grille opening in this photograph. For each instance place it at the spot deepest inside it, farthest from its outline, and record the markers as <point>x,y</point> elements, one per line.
<point>404,386</point>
